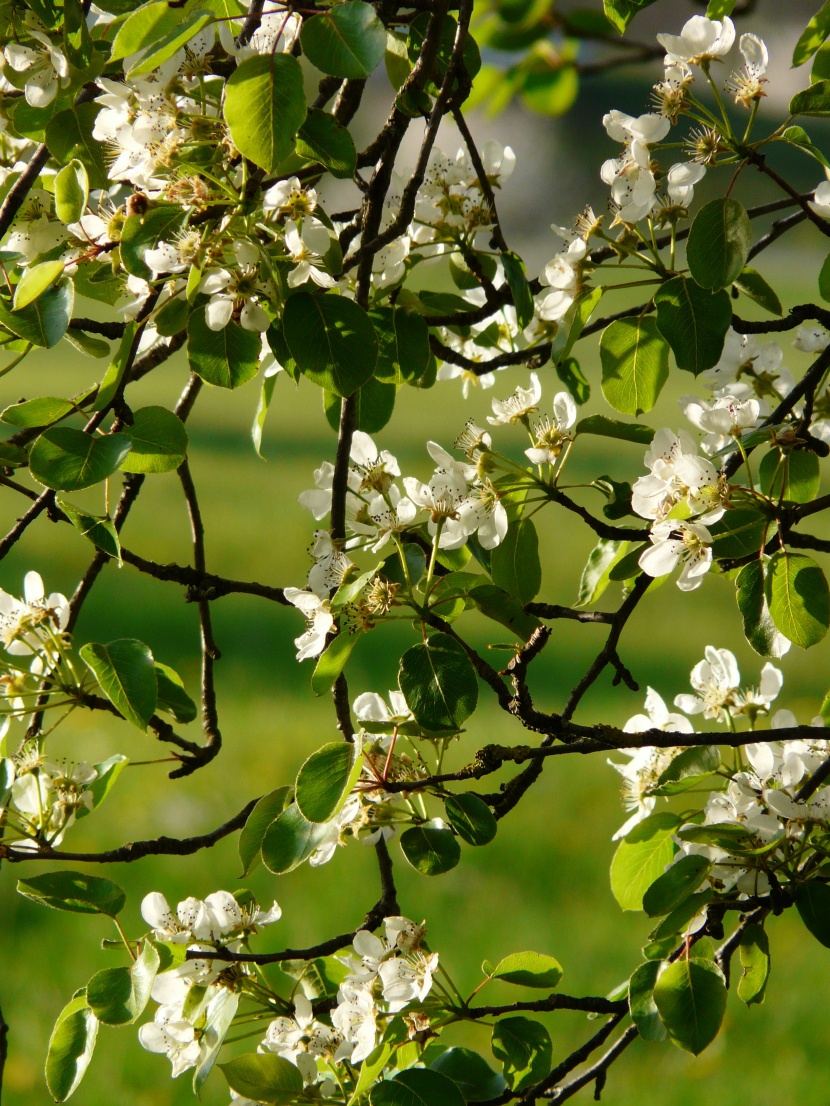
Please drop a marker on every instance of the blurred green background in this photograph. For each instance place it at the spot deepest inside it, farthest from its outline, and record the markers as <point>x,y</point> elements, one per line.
<point>543,884</point>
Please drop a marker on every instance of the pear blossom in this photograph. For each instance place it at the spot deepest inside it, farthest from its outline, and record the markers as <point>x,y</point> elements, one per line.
<point>290,198</point>
<point>277,32</point>
<point>355,1018</point>
<point>812,338</point>
<point>23,621</point>
<point>517,407</point>
<point>306,245</point>
<point>700,40</point>
<point>821,200</point>
<point>235,292</point>
<point>371,707</point>
<point>723,420</point>
<point>552,434</point>
<point>301,1039</point>
<point>684,544</point>
<point>469,379</point>
<point>563,274</point>
<point>330,564</point>
<point>677,473</point>
<point>717,681</point>
<point>36,229</point>
<point>318,617</point>
<point>680,181</point>
<point>747,84</point>
<point>46,64</point>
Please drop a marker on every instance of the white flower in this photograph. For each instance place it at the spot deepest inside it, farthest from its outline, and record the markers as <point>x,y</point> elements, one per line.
<point>234,292</point>
<point>678,543</point>
<point>355,1019</point>
<point>552,434</point>
<point>407,979</point>
<point>376,468</point>
<point>717,681</point>
<point>389,263</point>
<point>330,564</point>
<point>753,701</point>
<point>290,198</point>
<point>171,1034</point>
<point>677,473</point>
<point>25,624</point>
<point>276,34</point>
<point>47,65</point>
<point>657,717</point>
<point>812,338</point>
<point>747,84</point>
<point>301,1039</point>
<point>319,618</point>
<point>519,406</point>
<point>681,179</point>
<point>371,707</point>
<point>36,228</point>
<point>700,40</point>
<point>306,245</point>
<point>821,200</point>
<point>723,420</point>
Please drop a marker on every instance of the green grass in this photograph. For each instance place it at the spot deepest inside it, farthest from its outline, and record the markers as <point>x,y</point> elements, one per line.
<point>543,884</point>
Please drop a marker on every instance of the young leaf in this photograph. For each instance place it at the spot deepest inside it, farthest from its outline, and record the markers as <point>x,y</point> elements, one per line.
<point>70,1048</point>
<point>98,529</point>
<point>641,1002</point>
<point>332,662</point>
<point>438,682</point>
<point>719,241</point>
<point>116,369</point>
<point>813,35</point>
<point>812,901</point>
<point>264,1077</point>
<point>167,45</point>
<point>524,1048</point>
<point>417,1087</point>
<point>471,818</point>
<point>172,697</point>
<point>322,139</point>
<point>347,41</point>
<point>158,441</point>
<point>514,274</point>
<point>471,1074</point>
<point>613,428</point>
<point>596,573</point>
<point>265,106</point>
<point>332,340</point>
<point>34,282</point>
<point>325,780</point>
<point>226,358</point>
<point>514,563</point>
<point>44,322</point>
<point>289,840</point>
<point>635,364</point>
<point>430,850</point>
<point>755,963</point>
<point>690,996</point>
<point>688,768</point>
<point>75,892</point>
<point>266,811</point>
<point>118,996</point>
<point>694,322</point>
<point>814,100</point>
<point>67,459</point>
<point>674,886</point>
<point>126,674</point>
<point>752,284</point>
<point>641,857</point>
<point>529,969</point>
<point>798,598</point>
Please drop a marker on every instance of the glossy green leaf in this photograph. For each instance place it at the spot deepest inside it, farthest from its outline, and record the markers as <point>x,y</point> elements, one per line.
<point>75,892</point>
<point>141,233</point>
<point>677,920</point>
<point>752,284</point>
<point>332,340</point>
<point>67,459</point>
<point>798,137</point>
<point>759,629</point>
<point>798,597</point>
<point>108,772</point>
<point>572,325</point>
<point>671,888</point>
<point>514,274</point>
<point>814,100</point>
<point>642,857</point>
<point>143,27</point>
<point>635,364</point>
<point>187,26</point>
<point>690,996</point>
<point>572,376</point>
<point>264,1077</point>
<point>322,139</point>
<point>694,322</point>
<point>417,1087</point>
<point>118,996</point>
<point>471,818</point>
<point>37,412</point>
<point>740,533</point>
<point>524,1049</point>
<point>69,135</point>
<point>719,242</point>
<point>430,850</point>
<point>70,1048</point>
<point>44,322</point>
<point>226,358</point>
<point>753,953</point>
<point>99,529</point>
<point>514,563</point>
<point>34,282</point>
<point>348,41</point>
<point>158,441</point>
<point>374,404</point>
<point>116,368</point>
<point>220,1013</point>
<point>641,1003</point>
<point>621,12</point>
<point>529,969</point>
<point>126,673</point>
<point>812,901</point>
<point>265,106</point>
<point>596,573</point>
<point>507,610</point>
<point>471,1074</point>
<point>686,769</point>
<point>325,780</point>
<point>613,428</point>
<point>438,682</point>
<point>266,811</point>
<point>289,840</point>
<point>403,345</point>
<point>794,476</point>
<point>172,697</point>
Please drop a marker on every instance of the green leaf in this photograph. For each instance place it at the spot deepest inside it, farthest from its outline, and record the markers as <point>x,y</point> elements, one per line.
<point>755,964</point>
<point>69,136</point>
<point>430,850</point>
<point>529,969</point>
<point>265,106</point>
<point>438,682</point>
<point>641,1001</point>
<point>514,563</point>
<point>794,476</point>
<point>226,358</point>
<point>814,100</point>
<point>514,274</point>
<point>741,532</point>
<point>670,889</point>
<point>798,598</point>
<point>265,396</point>
<point>694,322</point>
<point>417,1087</point>
<point>572,325</point>
<point>691,998</point>
<point>613,428</point>
<point>322,139</point>
<point>574,379</point>
<point>267,810</point>
<point>348,41</point>
<point>726,835</point>
<point>172,697</point>
<point>812,901</point>
<point>635,364</point>
<point>403,345</point>
<point>141,233</point>
<point>75,892</point>
<point>596,573</point>
<point>332,340</point>
<point>86,344</point>
<point>144,27</point>
<point>679,918</point>
<point>126,673</point>
<point>686,769</point>
<point>67,459</point>
<point>642,857</point>
<point>263,1076</point>
<point>325,780</point>
<point>759,628</point>
<point>798,137</point>
<point>71,193</point>
<point>108,772</point>
<point>719,242</point>
<point>118,996</point>
<point>116,369</point>
<point>471,1074</point>
<point>524,1048</point>
<point>35,281</point>
<point>99,529</point>
<point>752,284</point>
<point>220,1013</point>
<point>621,12</point>
<point>290,840</point>
<point>505,609</point>
<point>70,1048</point>
<point>471,818</point>
<point>169,44</point>
<point>824,280</point>
<point>374,403</point>
<point>627,567</point>
<point>332,662</point>
<point>44,322</point>
<point>158,441</point>
<point>37,412</point>
<point>719,8</point>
